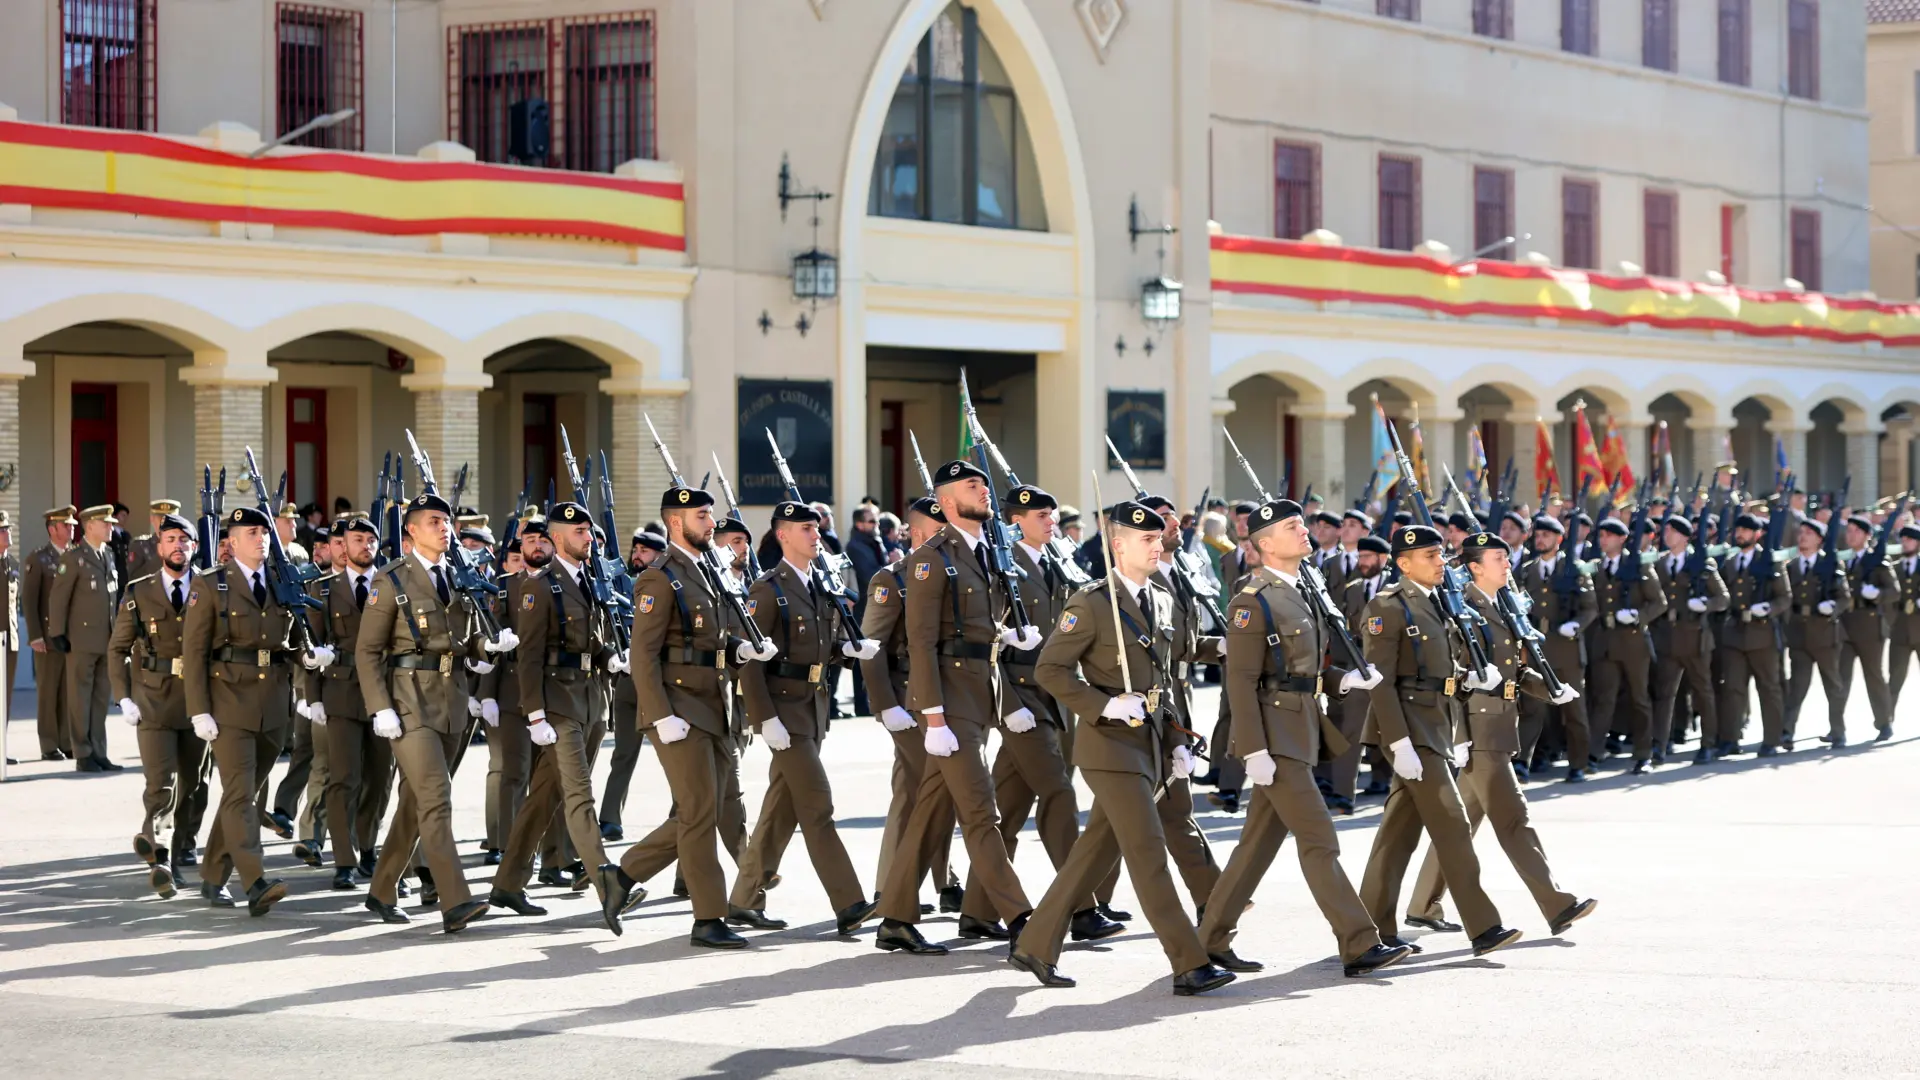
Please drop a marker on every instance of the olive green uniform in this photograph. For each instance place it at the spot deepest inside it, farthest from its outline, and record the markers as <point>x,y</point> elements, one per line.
<point>1558,600</point>
<point>1750,645</point>
<point>1865,635</point>
<point>1903,629</point>
<point>360,764</point>
<point>1683,648</point>
<point>84,594</point>
<point>1620,653</point>
<point>509,748</point>
<point>144,664</point>
<point>886,679</point>
<point>49,665</point>
<point>1814,639</point>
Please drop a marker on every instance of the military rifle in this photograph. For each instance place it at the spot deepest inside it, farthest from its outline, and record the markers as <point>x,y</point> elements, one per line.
<point>396,500</point>
<point>1875,555</point>
<point>619,570</point>
<point>379,508</point>
<point>466,579</point>
<point>599,574</point>
<point>512,530</point>
<point>206,532</point>
<point>1513,612</point>
<point>999,540</point>
<point>920,463</point>
<point>826,571</point>
<point>1829,567</point>
<point>707,562</point>
<point>733,511</point>
<point>1188,576</point>
<point>1451,592</point>
<point>459,489</point>
<point>287,582</point>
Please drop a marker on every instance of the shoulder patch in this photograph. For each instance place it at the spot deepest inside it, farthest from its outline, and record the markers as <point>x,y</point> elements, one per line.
<point>526,600</point>
<point>1376,625</point>
<point>880,594</point>
<point>922,571</point>
<point>753,605</point>
<point>1242,618</point>
<point>1068,621</point>
<point>193,597</point>
<point>373,594</point>
<point>646,603</point>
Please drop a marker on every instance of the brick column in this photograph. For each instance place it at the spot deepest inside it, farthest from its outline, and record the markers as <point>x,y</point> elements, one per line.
<point>446,421</point>
<point>639,476</point>
<point>1863,460</point>
<point>1323,450</point>
<point>229,414</point>
<point>11,372</point>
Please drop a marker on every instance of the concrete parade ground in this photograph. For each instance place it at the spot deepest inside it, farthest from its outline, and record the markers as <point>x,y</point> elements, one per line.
<point>1750,924</point>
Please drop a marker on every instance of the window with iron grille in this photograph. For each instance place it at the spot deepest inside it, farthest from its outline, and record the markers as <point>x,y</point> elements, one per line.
<point>1492,213</point>
<point>595,75</point>
<point>1493,18</point>
<point>107,76</point>
<point>490,69</point>
<point>1806,248</point>
<point>1579,32</point>
<point>319,72</point>
<point>1736,43</point>
<point>1399,181</point>
<point>1398,9</point>
<point>1661,218</point>
<point>1579,231</point>
<point>1803,48</point>
<point>1658,36</point>
<point>1296,189</point>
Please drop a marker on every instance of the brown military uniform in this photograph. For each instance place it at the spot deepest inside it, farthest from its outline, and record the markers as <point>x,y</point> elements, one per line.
<point>1487,784</point>
<point>1551,610</point>
<point>49,666</point>
<point>1903,629</point>
<point>10,609</point>
<point>145,664</point>
<point>1186,844</point>
<point>1749,645</point>
<point>509,748</point>
<point>359,763</point>
<point>1341,772</point>
<point>1125,765</point>
<point>143,557</point>
<point>1620,653</point>
<point>1278,708</point>
<point>1413,648</point>
<point>84,594</point>
<point>886,679</point>
<point>1814,640</point>
<point>1865,636</point>
<point>1683,648</point>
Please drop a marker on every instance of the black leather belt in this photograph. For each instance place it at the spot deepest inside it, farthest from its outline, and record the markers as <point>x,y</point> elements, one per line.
<point>569,660</point>
<point>229,654</point>
<point>1427,683</point>
<point>898,663</point>
<point>165,665</point>
<point>690,657</point>
<point>422,661</point>
<point>1508,690</point>
<point>970,650</point>
<point>809,673</point>
<point>1294,684</point>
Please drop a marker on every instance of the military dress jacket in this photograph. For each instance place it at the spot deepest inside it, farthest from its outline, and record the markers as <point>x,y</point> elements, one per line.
<point>884,621</point>
<point>411,650</point>
<point>1043,593</point>
<point>1493,718</point>
<point>36,590</point>
<point>682,632</point>
<point>1277,673</point>
<point>1619,590</point>
<point>803,622</point>
<point>337,624</point>
<point>566,640</point>
<point>144,658</point>
<point>85,593</point>
<point>1685,633</point>
<point>1414,649</point>
<point>10,602</point>
<point>954,619</point>
<point>1080,666</point>
<point>239,657</point>
<point>1554,608</point>
<point>1190,646</point>
<point>502,685</point>
<point>1905,603</point>
<point>1739,627</point>
<point>1866,623</point>
<point>143,557</point>
<point>1807,628</point>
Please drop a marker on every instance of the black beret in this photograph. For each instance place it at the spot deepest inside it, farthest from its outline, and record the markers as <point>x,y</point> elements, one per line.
<point>1613,525</point>
<point>1748,521</point>
<point>926,506</point>
<point>1543,523</point>
<point>731,524</point>
<point>1374,544</point>
<point>793,511</point>
<point>1585,520</point>
<point>427,501</point>
<point>1404,517</point>
<point>1910,532</point>
<point>354,523</point>
<point>534,526</point>
<point>1135,515</point>
<point>569,513</point>
<point>652,541</point>
<point>678,497</point>
<point>1414,538</point>
<point>957,470</point>
<point>1516,517</point>
<point>1245,507</point>
<point>1273,513</point>
<point>173,521</point>
<point>1157,502</point>
<point>1359,516</point>
<point>1465,524</point>
<point>1027,497</point>
<point>1680,525</point>
<point>1861,522</point>
<point>480,533</point>
<point>1810,523</point>
<point>1325,518</point>
<point>1484,541</point>
<point>249,515</point>
<point>513,546</point>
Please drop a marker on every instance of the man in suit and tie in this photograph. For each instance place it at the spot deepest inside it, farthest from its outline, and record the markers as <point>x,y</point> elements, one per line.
<point>80,626</point>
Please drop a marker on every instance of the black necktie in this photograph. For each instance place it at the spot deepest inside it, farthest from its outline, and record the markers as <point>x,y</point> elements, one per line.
<point>986,568</point>
<point>259,589</point>
<point>1145,600</point>
<point>179,601</point>
<point>440,586</point>
<point>360,593</point>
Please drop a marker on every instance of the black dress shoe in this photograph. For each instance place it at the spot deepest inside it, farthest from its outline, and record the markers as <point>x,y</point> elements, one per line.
<point>1767,751</point>
<point>1703,756</point>
<point>1377,787</point>
<point>1038,968</point>
<point>1640,767</point>
<point>1014,926</point>
<point>925,908</point>
<point>1233,961</point>
<point>189,857</point>
<point>680,887</point>
<point>1573,915</point>
<point>1382,955</point>
<point>307,853</point>
<point>905,937</point>
<point>1200,980</point>
<point>1883,734</point>
<point>281,824</point>
<point>1393,942</point>
<point>855,915</point>
<point>1228,801</point>
<point>455,919</point>
<point>634,898</point>
<point>1113,913</point>
<point>714,934</point>
<point>980,929</point>
<point>429,892</point>
<point>753,919</point>
<point>1786,743</point>
<point>1340,804</point>
<point>578,879</point>
<point>1838,742</point>
<point>1576,776</point>
<point>106,765</point>
<point>54,755</point>
<point>491,858</point>
<point>215,895</point>
<point>552,877</point>
<point>343,877</point>
<point>144,847</point>
<point>1497,937</point>
<point>387,912</point>
<point>365,866</point>
<point>951,898</point>
<point>160,880</point>
<point>610,831</point>
<point>515,902</point>
<point>1090,925</point>
<point>1520,773</point>
<point>88,765</point>
<point>1438,926</point>
<point>263,894</point>
<point>614,887</point>
<point>1727,748</point>
<point>401,889</point>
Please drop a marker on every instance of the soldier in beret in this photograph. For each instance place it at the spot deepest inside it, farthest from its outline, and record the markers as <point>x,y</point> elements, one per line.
<point>1865,626</point>
<point>649,548</point>
<point>1683,641</point>
<point>1750,640</point>
<point>1339,776</point>
<point>1814,632</point>
<point>359,765</point>
<point>79,625</point>
<point>51,707</point>
<point>1414,646</point>
<point>509,747</point>
<point>1563,608</point>
<point>1903,631</point>
<point>1621,653</point>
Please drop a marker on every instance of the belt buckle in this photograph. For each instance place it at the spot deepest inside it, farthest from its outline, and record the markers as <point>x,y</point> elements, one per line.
<point>176,667</point>
<point>1508,693</point>
<point>1180,669</point>
<point>1909,607</point>
<point>720,657</point>
<point>813,673</point>
<point>1153,700</point>
<point>265,657</point>
<point>446,664</point>
<point>993,653</point>
<point>1319,684</point>
<point>1452,687</point>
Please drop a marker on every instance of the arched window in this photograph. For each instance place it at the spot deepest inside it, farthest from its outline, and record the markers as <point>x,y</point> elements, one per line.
<point>955,147</point>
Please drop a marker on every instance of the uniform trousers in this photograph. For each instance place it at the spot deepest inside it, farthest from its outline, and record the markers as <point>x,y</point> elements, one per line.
<point>245,760</point>
<point>562,790</point>
<point>1870,652</point>
<point>509,764</point>
<point>960,786</point>
<point>1621,683</point>
<point>286,798</point>
<point>627,740</point>
<point>1030,770</point>
<point>1431,803</point>
<point>909,767</point>
<point>170,758</point>
<point>425,815</point>
<point>1762,665</point>
<point>87,694</point>
<point>699,769</point>
<point>1186,845</point>
<point>1491,793</point>
<point>359,771</point>
<point>810,795</point>
<point>1804,662</point>
<point>1670,674</point>
<point>50,702</point>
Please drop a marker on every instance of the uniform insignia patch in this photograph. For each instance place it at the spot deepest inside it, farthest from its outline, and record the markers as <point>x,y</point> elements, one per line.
<point>1068,621</point>
<point>526,601</point>
<point>880,594</point>
<point>646,604</point>
<point>752,605</point>
<point>193,597</point>
<point>699,620</point>
<point>921,571</point>
<point>1376,625</point>
<point>1241,618</point>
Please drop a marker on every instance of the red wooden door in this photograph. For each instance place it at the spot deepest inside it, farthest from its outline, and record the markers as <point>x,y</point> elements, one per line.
<point>95,443</point>
<point>892,456</point>
<point>307,446</point>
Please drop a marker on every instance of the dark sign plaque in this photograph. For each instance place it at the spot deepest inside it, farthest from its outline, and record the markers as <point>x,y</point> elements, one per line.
<point>800,415</point>
<point>1137,424</point>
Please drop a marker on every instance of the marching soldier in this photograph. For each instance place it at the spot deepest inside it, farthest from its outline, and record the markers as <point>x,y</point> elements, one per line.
<point>146,668</point>
<point>143,555</point>
<point>1126,750</point>
<point>886,679</point>
<point>1276,648</point>
<point>1630,600</point>
<point>647,548</point>
<point>1749,641</point>
<point>1339,778</point>
<point>1903,636</point>
<point>683,684</point>
<point>9,602</point>
<point>80,625</point>
<point>1564,606</point>
<point>238,657</point>
<point>509,749</point>
<point>1814,632</point>
<point>954,636</point>
<point>1683,641</point>
<point>1413,645</point>
<point>1874,590</point>
<point>1487,784</point>
<point>359,763</point>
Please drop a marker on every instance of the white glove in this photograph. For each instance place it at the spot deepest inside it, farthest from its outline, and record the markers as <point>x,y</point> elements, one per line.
<point>1567,693</point>
<point>1020,721</point>
<point>204,727</point>
<point>1697,605</point>
<point>506,642</point>
<point>618,664</point>
<point>317,713</point>
<point>479,667</point>
<point>542,733</point>
<point>129,711</point>
<point>473,707</point>
<point>1461,753</point>
<point>1570,629</point>
<point>671,729</point>
<point>1825,607</point>
<point>1406,760</point>
<point>941,741</point>
<point>318,658</point>
<point>1761,610</point>
<point>301,707</point>
<point>1260,767</point>
<point>896,718</point>
<point>775,733</point>
<point>1365,679</point>
<point>746,651</point>
<point>1022,639</point>
<point>490,712</point>
<point>1871,592</point>
<point>386,724</point>
<point>1486,679</point>
<point>1125,707</point>
<point>1183,763</point>
<point>864,649</point>
<point>1626,618</point>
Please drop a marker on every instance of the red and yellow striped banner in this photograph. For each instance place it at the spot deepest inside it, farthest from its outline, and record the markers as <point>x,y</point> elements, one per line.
<point>1258,266</point>
<point>136,173</point>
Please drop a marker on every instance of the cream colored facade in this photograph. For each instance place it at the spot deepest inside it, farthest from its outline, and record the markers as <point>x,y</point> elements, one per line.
<point>1893,96</point>
<point>1175,106</point>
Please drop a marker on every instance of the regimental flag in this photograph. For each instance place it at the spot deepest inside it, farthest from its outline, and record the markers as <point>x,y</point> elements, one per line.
<point>1417,452</point>
<point>1476,465</point>
<point>1782,468</point>
<point>1386,472</point>
<point>1589,475</point>
<point>1546,469</point>
<point>1663,473</point>
<point>1613,459</point>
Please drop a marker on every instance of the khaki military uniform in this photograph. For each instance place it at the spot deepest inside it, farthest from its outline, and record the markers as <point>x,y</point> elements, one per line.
<point>1186,844</point>
<point>953,617</point>
<point>49,666</point>
<point>886,679</point>
<point>239,669</point>
<point>10,610</point>
<point>1814,641</point>
<point>509,747</point>
<point>359,763</point>
<point>1865,635</point>
<point>84,595</point>
<point>1551,610</point>
<point>1341,771</point>
<point>1487,785</point>
<point>145,664</point>
<point>1278,707</point>
<point>1620,653</point>
<point>1749,646</point>
<point>1413,646</point>
<point>143,557</point>
<point>1903,629</point>
<point>1683,648</point>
